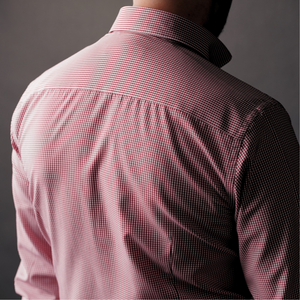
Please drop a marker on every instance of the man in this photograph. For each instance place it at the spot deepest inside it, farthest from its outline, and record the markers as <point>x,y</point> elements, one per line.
<point>141,170</point>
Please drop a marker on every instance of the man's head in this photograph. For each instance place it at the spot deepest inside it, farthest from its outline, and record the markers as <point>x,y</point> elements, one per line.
<point>211,14</point>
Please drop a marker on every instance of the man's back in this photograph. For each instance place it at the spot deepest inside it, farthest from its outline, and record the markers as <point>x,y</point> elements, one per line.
<point>142,170</point>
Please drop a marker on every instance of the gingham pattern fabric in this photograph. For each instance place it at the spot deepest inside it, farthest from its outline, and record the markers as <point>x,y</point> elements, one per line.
<point>141,170</point>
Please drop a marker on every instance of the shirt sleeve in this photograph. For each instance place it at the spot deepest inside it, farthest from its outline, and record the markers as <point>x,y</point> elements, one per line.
<point>35,278</point>
<point>267,197</point>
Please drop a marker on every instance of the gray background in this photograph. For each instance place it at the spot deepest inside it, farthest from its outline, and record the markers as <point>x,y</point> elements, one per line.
<point>262,36</point>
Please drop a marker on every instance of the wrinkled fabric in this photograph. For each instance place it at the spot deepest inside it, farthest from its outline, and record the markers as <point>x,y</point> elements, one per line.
<point>141,170</point>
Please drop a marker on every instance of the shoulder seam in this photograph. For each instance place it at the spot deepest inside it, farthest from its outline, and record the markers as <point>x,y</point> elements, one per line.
<point>257,112</point>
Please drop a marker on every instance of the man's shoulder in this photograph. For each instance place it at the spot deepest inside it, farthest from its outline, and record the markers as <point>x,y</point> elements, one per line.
<point>184,81</point>
<point>61,74</point>
<point>225,101</point>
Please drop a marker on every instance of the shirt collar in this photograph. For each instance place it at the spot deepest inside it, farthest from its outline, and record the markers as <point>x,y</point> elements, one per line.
<point>171,26</point>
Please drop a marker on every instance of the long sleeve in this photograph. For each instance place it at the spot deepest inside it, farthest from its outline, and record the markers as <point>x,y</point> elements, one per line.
<point>267,218</point>
<point>35,278</point>
<point>140,171</point>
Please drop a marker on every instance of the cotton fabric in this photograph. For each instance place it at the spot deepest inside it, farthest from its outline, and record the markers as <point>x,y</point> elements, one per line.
<point>142,170</point>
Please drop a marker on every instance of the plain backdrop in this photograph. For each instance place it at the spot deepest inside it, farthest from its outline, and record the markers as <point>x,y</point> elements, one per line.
<point>262,35</point>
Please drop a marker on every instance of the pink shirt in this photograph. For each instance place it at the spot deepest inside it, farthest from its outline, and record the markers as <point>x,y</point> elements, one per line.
<point>143,170</point>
